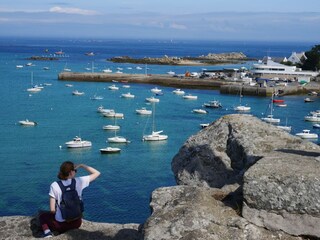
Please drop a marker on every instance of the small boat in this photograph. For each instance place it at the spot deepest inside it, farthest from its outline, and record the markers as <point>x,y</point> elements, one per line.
<point>117,139</point>
<point>113,87</point>
<point>278,100</point>
<point>69,85</point>
<point>155,135</point>
<point>312,118</point>
<point>77,142</point>
<point>285,128</point>
<point>152,99</point>
<point>143,111</point>
<point>127,95</point>
<point>46,68</point>
<point>59,52</point>
<point>126,86</point>
<point>77,93</point>
<point>305,134</point>
<point>316,125</point>
<point>201,111</point>
<point>19,66</point>
<point>119,72</point>
<point>270,119</point>
<point>138,68</point>
<point>242,108</point>
<point>213,104</point>
<point>308,100</point>
<point>156,90</point>
<point>171,73</point>
<point>34,89</point>
<point>89,53</point>
<point>112,114</point>
<point>111,127</point>
<point>178,91</point>
<point>108,70</point>
<point>110,150</point>
<point>190,97</point>
<point>281,105</point>
<point>27,123</point>
<point>204,125</point>
<point>96,97</point>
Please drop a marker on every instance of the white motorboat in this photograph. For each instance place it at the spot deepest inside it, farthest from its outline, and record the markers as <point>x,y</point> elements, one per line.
<point>155,135</point>
<point>101,109</point>
<point>312,118</point>
<point>119,72</point>
<point>111,127</point>
<point>110,150</point>
<point>27,123</point>
<point>204,125</point>
<point>139,68</point>
<point>19,66</point>
<point>77,142</point>
<point>118,139</point>
<point>190,97</point>
<point>127,95</point>
<point>96,97</point>
<point>171,73</point>
<point>200,111</point>
<point>113,87</point>
<point>178,91</point>
<point>281,105</point>
<point>152,99</point>
<point>112,114</point>
<point>143,111</point>
<point>77,93</point>
<point>156,90</point>
<point>316,125</point>
<point>69,85</point>
<point>213,104</point>
<point>242,108</point>
<point>308,100</point>
<point>305,134</point>
<point>126,86</point>
<point>108,70</point>
<point>270,119</point>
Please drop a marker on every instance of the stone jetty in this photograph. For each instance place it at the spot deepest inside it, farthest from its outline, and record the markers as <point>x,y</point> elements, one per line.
<point>239,178</point>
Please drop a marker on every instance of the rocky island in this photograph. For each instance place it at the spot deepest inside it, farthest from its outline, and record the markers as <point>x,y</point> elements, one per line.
<point>239,178</point>
<point>210,59</point>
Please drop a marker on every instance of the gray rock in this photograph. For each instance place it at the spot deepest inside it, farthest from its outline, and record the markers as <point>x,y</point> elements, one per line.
<point>282,191</point>
<point>188,213</point>
<point>221,153</point>
<point>21,227</point>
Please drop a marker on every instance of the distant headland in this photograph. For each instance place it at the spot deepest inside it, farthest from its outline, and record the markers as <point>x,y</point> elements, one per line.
<point>209,59</point>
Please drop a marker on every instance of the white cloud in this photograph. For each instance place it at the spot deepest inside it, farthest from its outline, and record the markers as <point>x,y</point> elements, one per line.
<point>79,11</point>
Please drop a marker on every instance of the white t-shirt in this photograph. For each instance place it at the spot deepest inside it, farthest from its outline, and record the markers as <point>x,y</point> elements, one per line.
<point>56,193</point>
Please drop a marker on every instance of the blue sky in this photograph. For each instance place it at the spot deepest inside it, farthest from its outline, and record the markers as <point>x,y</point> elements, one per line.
<point>282,20</point>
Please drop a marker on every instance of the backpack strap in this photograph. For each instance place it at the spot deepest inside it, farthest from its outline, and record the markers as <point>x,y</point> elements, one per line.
<point>63,188</point>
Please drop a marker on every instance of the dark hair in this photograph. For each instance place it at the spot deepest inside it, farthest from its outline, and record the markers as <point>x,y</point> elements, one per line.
<point>65,169</point>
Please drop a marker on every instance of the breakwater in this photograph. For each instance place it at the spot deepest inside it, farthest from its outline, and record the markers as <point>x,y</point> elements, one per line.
<point>225,86</point>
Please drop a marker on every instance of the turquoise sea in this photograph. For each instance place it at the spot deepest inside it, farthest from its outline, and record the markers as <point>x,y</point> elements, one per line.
<point>30,156</point>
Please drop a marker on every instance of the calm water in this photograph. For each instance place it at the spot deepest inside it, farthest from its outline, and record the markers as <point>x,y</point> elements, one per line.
<point>30,156</point>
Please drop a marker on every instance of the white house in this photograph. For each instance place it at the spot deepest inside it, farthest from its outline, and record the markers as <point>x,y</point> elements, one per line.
<point>271,69</point>
<point>297,57</point>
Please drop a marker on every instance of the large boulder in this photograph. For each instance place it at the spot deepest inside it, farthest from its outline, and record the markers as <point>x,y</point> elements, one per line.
<point>221,153</point>
<point>22,227</point>
<point>282,192</point>
<point>189,213</point>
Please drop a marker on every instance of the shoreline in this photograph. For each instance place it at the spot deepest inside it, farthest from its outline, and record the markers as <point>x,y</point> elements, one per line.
<point>224,86</point>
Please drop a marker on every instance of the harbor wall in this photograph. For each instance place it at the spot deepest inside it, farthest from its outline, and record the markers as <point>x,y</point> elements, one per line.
<point>225,86</point>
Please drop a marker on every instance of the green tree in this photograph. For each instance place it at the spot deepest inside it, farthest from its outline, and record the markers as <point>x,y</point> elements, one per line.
<point>313,59</point>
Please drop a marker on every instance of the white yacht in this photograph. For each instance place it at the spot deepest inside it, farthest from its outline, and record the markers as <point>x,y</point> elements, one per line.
<point>111,127</point>
<point>77,142</point>
<point>178,91</point>
<point>112,114</point>
<point>143,111</point>
<point>270,119</point>
<point>200,111</point>
<point>77,93</point>
<point>305,134</point>
<point>127,95</point>
<point>156,90</point>
<point>190,97</point>
<point>27,123</point>
<point>110,150</point>
<point>152,99</point>
<point>118,139</point>
<point>108,70</point>
<point>113,87</point>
